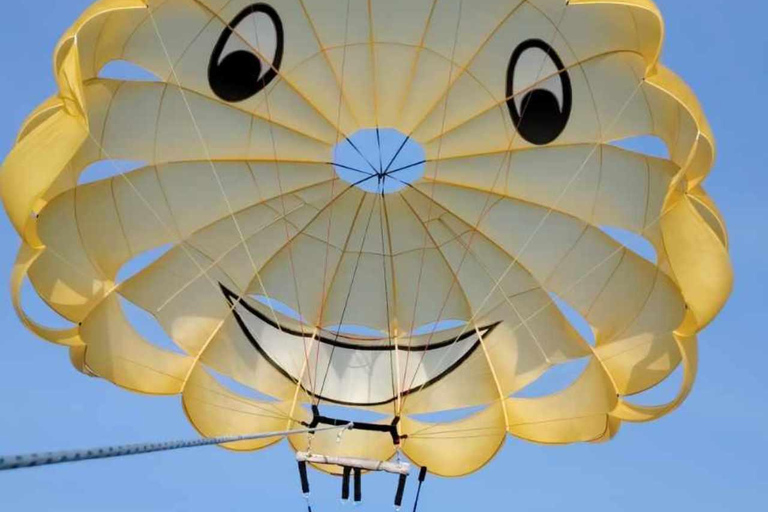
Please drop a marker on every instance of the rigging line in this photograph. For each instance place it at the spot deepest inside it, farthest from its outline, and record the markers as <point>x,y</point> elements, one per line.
<point>266,59</point>
<point>468,303</point>
<point>378,142</point>
<point>415,63</point>
<point>78,214</point>
<point>422,477</point>
<point>363,156</point>
<point>327,58</point>
<point>429,214</point>
<point>205,147</point>
<point>504,195</point>
<point>64,260</point>
<point>550,302</point>
<point>273,413</point>
<point>341,101</point>
<point>299,387</point>
<point>342,252</point>
<point>266,407</point>
<point>540,224</point>
<point>215,262</point>
<point>539,81</point>
<point>460,68</point>
<point>182,243</point>
<point>173,235</point>
<point>239,411</point>
<point>508,300</point>
<point>503,161</point>
<point>425,431</point>
<point>394,295</point>
<point>474,436</point>
<point>229,394</point>
<point>252,114</point>
<point>468,251</point>
<point>350,168</point>
<point>262,406</point>
<point>500,248</point>
<point>281,217</point>
<point>349,293</point>
<point>346,301</point>
<point>497,381</point>
<point>630,321</point>
<point>445,260</point>
<point>12,462</point>
<point>438,435</point>
<point>504,151</point>
<point>394,376</point>
<point>397,153</point>
<point>465,68</point>
<point>216,330</point>
<point>501,166</point>
<point>220,184</point>
<point>343,77</point>
<point>289,240</point>
<point>619,249</point>
<point>394,355</point>
<point>390,173</point>
<point>374,69</point>
<point>486,209</point>
<point>240,297</point>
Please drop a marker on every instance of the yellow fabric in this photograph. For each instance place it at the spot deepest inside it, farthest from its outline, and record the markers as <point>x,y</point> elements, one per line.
<point>244,194</point>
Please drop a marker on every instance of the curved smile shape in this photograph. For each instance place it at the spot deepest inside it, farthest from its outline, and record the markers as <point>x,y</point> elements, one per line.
<point>355,374</point>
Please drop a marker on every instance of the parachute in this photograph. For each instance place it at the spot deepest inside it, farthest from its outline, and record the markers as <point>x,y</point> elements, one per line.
<point>348,208</point>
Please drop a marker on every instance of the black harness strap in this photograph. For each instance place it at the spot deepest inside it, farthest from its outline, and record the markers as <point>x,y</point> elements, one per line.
<point>400,491</point>
<point>304,478</point>
<point>345,484</point>
<point>391,429</point>
<point>304,483</point>
<point>358,485</point>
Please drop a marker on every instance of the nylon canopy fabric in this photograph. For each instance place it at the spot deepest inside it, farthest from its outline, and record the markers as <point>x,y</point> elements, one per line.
<point>312,290</point>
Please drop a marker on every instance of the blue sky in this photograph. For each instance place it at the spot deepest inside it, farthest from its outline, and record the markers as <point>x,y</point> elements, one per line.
<point>708,456</point>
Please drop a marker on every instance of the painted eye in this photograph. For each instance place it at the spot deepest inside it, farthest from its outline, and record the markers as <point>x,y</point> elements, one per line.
<point>248,54</point>
<point>539,92</point>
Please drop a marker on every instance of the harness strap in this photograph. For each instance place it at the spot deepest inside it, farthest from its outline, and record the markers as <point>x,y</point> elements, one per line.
<point>391,429</point>
<point>345,484</point>
<point>304,478</point>
<point>358,485</point>
<point>400,491</point>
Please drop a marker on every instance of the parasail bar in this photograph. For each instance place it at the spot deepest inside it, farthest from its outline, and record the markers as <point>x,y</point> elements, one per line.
<point>396,468</point>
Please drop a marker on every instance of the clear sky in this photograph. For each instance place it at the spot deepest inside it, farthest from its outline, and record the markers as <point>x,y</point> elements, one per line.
<point>708,456</point>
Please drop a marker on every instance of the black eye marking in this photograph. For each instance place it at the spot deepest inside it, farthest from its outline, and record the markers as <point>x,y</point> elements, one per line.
<point>242,74</point>
<point>540,116</point>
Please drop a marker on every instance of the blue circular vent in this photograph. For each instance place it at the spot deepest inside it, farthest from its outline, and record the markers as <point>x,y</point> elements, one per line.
<point>379,160</point>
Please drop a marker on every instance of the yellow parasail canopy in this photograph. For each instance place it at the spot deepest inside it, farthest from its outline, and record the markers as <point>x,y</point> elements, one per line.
<point>372,205</point>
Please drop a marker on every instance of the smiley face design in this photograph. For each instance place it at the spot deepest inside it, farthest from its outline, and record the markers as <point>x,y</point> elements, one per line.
<point>394,207</point>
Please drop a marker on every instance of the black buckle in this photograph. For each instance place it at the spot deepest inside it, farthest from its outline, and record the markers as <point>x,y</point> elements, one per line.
<point>391,429</point>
